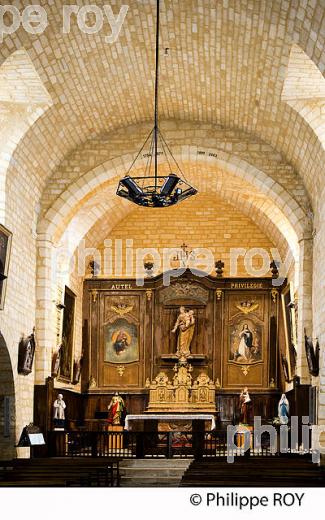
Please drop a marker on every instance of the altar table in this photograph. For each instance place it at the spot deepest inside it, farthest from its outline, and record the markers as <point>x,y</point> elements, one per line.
<point>170,417</point>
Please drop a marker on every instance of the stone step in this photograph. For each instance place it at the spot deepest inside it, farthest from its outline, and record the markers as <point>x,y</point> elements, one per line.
<point>152,472</point>
<point>177,463</point>
<point>136,472</point>
<point>150,482</point>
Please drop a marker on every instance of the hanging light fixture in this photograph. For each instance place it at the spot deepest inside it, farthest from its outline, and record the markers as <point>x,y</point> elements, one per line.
<point>151,189</point>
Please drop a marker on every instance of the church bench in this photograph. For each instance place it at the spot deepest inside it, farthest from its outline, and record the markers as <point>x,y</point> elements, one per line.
<point>257,471</point>
<point>63,472</point>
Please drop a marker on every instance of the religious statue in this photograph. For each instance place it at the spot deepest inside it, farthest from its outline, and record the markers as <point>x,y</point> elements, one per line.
<point>56,359</point>
<point>185,324</point>
<point>245,406</point>
<point>26,352</point>
<point>92,382</point>
<point>77,365</point>
<point>283,409</point>
<point>116,410</point>
<point>59,412</point>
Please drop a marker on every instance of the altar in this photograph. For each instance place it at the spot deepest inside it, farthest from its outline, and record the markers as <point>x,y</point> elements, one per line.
<point>169,422</point>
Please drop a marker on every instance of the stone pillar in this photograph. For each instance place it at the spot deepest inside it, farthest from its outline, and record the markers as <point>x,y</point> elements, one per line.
<point>305,308</point>
<point>319,318</point>
<point>45,308</point>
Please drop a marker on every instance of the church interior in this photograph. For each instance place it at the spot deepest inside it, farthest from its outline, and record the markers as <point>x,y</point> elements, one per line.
<point>162,226</point>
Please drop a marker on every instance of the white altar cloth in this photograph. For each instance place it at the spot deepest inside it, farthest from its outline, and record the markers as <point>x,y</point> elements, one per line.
<point>171,417</point>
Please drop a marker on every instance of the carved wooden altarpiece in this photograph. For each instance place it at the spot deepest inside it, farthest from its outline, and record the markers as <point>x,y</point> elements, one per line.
<point>128,342</point>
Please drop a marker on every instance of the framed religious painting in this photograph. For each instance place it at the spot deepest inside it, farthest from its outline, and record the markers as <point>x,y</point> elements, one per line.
<point>67,343</point>
<point>5,247</point>
<point>246,341</point>
<point>121,342</point>
<point>290,330</point>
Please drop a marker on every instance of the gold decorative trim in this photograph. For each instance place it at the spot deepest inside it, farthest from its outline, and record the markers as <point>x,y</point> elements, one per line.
<point>219,294</point>
<point>274,294</point>
<point>120,370</point>
<point>247,307</point>
<point>94,294</point>
<point>92,382</point>
<point>122,308</point>
<point>149,294</point>
<point>245,370</point>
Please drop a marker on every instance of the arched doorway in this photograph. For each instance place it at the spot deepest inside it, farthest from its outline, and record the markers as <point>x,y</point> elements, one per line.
<point>7,404</point>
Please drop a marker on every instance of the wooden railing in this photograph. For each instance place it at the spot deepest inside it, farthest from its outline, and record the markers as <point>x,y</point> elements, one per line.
<point>128,445</point>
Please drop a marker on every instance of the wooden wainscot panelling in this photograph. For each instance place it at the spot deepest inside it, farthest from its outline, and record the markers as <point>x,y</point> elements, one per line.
<point>121,375</point>
<point>250,375</point>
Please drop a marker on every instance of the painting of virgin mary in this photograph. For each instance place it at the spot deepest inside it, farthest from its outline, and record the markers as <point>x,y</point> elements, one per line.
<point>121,342</point>
<point>245,342</point>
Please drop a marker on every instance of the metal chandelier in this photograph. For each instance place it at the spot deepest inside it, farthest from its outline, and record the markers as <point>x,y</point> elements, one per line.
<point>154,190</point>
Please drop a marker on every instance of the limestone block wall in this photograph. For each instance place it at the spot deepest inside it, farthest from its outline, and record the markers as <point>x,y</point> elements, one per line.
<point>201,222</point>
<point>18,316</point>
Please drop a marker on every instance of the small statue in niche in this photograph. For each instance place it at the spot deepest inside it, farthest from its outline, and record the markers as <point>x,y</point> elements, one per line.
<point>185,324</point>
<point>56,360</point>
<point>245,406</point>
<point>77,365</point>
<point>93,268</point>
<point>26,352</point>
<point>59,412</point>
<point>116,410</point>
<point>92,382</point>
<point>283,409</point>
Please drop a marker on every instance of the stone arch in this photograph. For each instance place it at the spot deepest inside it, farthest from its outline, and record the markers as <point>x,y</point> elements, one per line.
<point>7,404</point>
<point>304,91</point>
<point>23,99</point>
<point>57,217</point>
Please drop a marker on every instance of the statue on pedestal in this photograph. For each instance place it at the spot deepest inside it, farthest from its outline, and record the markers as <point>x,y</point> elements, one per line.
<point>283,409</point>
<point>116,410</point>
<point>185,324</point>
<point>59,412</point>
<point>245,406</point>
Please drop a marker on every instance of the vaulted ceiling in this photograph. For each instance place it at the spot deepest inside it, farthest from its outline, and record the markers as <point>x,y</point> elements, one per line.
<point>225,64</point>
